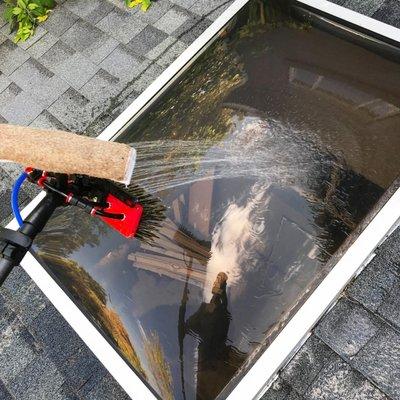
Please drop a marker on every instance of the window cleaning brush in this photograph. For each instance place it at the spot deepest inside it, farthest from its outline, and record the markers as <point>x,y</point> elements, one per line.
<point>92,174</point>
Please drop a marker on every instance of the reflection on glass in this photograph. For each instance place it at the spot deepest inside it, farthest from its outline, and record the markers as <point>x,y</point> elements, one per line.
<point>268,153</point>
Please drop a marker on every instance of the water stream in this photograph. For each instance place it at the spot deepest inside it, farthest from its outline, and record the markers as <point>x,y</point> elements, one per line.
<point>266,150</point>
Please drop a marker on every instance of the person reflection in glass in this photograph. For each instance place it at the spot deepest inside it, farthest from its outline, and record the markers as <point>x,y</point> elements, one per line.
<point>216,361</point>
<point>210,323</point>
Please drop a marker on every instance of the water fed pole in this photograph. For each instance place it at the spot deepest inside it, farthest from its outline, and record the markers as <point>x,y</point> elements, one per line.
<point>15,244</point>
<point>83,174</point>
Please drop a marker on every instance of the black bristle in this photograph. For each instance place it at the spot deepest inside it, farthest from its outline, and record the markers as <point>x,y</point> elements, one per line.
<point>153,210</point>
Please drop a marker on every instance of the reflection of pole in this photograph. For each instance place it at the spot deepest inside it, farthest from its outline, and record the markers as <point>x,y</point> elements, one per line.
<point>167,256</point>
<point>181,322</point>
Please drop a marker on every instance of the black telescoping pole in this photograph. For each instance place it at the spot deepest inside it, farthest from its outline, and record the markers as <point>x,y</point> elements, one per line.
<point>15,244</point>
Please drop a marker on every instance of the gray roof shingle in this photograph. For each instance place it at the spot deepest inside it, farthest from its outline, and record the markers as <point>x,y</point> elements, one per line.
<point>41,357</point>
<point>354,351</point>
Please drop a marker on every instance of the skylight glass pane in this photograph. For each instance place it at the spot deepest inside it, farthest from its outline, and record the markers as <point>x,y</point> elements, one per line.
<point>268,153</point>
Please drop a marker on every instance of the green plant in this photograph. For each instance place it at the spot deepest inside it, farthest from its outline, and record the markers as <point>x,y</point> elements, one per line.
<point>144,4</point>
<point>24,15</point>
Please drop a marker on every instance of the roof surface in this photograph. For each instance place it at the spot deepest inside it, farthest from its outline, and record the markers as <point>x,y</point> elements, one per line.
<point>354,352</point>
<point>387,11</point>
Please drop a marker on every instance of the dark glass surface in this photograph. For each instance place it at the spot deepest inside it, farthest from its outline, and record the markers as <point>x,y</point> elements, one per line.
<point>268,153</point>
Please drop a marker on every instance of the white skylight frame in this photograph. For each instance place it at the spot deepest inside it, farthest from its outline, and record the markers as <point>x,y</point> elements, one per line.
<point>261,374</point>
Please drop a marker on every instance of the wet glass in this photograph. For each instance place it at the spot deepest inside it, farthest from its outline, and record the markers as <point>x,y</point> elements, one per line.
<point>268,154</point>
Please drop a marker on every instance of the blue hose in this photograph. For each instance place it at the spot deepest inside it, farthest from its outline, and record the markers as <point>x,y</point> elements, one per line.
<point>14,197</point>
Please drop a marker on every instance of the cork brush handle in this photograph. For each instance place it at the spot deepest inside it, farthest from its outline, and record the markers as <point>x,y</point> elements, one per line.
<point>65,152</point>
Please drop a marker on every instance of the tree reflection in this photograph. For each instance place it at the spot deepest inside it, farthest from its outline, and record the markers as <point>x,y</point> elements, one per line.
<point>62,236</point>
<point>159,367</point>
<point>201,91</point>
<point>92,297</point>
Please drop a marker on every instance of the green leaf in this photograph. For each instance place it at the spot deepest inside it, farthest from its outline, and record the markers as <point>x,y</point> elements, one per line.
<point>22,3</point>
<point>49,4</point>
<point>132,3</point>
<point>24,15</point>
<point>8,14</point>
<point>145,5</point>
<point>42,18</point>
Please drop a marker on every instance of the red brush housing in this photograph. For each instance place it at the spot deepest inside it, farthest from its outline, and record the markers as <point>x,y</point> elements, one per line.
<point>127,226</point>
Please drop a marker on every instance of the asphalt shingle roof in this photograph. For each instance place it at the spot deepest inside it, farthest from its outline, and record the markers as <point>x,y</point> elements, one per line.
<point>354,353</point>
<point>387,11</point>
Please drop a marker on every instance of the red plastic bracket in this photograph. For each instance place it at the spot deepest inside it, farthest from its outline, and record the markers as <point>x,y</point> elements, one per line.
<point>127,226</point>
